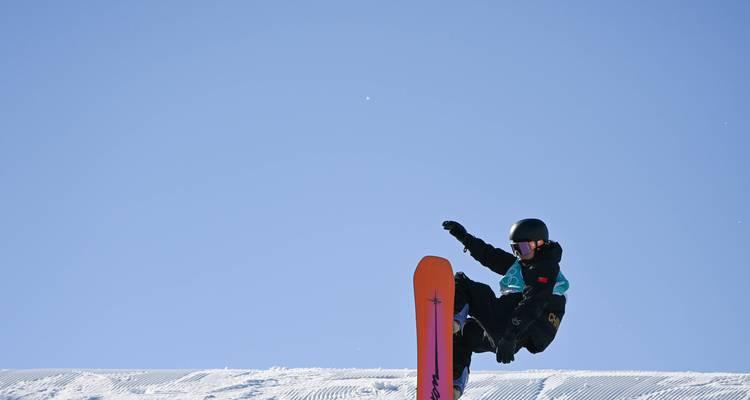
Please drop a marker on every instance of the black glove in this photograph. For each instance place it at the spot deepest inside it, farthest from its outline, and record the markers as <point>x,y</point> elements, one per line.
<point>549,251</point>
<point>505,350</point>
<point>455,229</point>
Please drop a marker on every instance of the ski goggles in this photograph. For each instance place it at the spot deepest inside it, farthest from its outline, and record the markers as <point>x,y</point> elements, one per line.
<point>521,249</point>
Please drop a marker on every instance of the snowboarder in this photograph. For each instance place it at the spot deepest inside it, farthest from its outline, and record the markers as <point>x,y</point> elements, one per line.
<point>531,304</point>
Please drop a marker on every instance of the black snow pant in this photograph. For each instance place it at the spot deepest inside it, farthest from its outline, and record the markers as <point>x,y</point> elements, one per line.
<point>489,317</point>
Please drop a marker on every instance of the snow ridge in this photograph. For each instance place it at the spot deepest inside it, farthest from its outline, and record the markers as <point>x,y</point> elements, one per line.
<point>363,384</point>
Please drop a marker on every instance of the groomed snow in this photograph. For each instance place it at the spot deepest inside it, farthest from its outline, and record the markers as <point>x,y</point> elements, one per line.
<point>361,384</point>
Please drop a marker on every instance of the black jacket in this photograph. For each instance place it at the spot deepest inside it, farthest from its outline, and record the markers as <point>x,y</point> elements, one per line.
<point>540,276</point>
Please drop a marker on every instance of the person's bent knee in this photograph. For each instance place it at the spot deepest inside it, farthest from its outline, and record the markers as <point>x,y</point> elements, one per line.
<point>461,276</point>
<point>543,333</point>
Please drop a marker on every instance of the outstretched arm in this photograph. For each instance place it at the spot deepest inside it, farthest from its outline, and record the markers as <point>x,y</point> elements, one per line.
<point>491,257</point>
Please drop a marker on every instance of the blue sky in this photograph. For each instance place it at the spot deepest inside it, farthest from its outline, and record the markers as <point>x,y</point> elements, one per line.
<point>251,184</point>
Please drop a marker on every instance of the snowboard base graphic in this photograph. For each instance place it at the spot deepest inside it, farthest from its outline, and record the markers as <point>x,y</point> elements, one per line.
<point>433,299</point>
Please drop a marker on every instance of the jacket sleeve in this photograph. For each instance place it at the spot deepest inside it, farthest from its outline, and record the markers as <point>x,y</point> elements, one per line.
<point>497,260</point>
<point>540,278</point>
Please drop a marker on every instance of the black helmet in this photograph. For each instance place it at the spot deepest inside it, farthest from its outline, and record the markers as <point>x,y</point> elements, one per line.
<point>529,229</point>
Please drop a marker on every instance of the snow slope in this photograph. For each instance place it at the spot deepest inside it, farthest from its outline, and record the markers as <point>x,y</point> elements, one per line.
<point>361,384</point>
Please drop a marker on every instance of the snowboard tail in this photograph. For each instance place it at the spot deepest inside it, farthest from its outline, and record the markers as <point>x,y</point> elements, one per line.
<point>433,299</point>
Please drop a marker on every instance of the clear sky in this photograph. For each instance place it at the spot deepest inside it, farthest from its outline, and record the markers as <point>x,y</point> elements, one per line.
<point>251,184</point>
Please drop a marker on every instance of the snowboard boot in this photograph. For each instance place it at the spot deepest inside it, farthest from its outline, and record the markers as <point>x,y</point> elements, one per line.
<point>459,319</point>
<point>459,384</point>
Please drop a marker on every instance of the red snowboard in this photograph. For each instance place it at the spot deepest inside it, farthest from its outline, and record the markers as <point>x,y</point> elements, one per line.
<point>433,298</point>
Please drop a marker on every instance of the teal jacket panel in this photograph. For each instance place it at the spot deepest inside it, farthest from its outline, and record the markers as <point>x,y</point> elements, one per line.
<point>513,282</point>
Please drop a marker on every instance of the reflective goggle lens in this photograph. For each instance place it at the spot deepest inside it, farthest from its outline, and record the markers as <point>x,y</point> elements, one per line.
<point>521,249</point>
